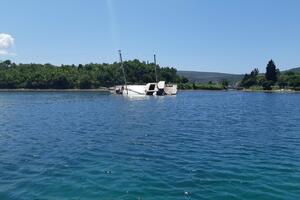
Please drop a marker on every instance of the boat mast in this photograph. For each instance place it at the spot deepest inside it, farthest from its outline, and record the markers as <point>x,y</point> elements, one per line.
<point>122,67</point>
<point>155,67</point>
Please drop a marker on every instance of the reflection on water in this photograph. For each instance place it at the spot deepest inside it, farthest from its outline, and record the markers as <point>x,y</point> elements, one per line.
<point>135,97</point>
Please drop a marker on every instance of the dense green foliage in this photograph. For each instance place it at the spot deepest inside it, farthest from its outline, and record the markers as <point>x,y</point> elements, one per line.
<point>273,78</point>
<point>250,79</point>
<point>200,86</point>
<point>225,83</point>
<point>47,76</point>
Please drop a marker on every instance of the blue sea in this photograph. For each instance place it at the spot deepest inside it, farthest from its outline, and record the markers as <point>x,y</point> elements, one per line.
<point>196,145</point>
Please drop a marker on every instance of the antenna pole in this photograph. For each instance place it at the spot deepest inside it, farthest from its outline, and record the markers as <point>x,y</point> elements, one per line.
<point>155,67</point>
<point>122,67</point>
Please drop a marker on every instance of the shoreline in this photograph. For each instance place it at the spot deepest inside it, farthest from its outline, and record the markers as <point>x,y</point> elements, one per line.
<point>244,90</point>
<point>107,90</point>
<point>271,91</point>
<point>191,90</point>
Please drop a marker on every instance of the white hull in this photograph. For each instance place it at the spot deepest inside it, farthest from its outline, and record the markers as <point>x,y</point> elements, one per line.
<point>150,89</point>
<point>134,90</point>
<point>171,90</point>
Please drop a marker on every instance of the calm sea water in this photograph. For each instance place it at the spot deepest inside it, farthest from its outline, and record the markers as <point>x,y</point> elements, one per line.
<point>197,145</point>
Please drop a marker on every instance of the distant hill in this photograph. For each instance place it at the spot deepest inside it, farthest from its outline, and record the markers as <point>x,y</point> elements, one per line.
<point>295,69</point>
<point>205,77</point>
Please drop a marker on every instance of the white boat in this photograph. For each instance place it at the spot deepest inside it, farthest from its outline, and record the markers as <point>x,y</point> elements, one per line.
<point>131,90</point>
<point>152,89</point>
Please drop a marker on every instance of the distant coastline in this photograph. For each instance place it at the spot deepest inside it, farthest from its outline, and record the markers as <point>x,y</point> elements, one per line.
<point>108,91</point>
<point>271,91</point>
<point>95,77</point>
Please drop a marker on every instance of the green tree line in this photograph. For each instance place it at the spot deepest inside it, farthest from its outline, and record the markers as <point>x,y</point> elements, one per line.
<point>88,76</point>
<point>204,86</point>
<point>271,79</point>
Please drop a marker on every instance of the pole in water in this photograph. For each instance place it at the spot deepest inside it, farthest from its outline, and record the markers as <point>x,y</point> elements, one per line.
<point>122,67</point>
<point>155,67</point>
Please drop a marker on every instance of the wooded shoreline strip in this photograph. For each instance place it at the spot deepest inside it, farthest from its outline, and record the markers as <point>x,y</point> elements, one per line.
<point>106,90</point>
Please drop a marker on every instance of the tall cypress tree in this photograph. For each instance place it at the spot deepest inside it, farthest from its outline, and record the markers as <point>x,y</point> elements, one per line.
<point>271,74</point>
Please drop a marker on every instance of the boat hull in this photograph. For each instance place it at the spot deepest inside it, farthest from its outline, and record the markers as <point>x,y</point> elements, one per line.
<point>134,90</point>
<point>150,89</point>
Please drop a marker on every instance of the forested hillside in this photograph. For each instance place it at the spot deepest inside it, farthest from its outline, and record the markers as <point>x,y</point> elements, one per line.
<point>47,76</point>
<point>297,69</point>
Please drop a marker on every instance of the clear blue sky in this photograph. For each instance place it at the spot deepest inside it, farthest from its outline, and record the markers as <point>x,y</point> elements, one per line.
<point>204,35</point>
